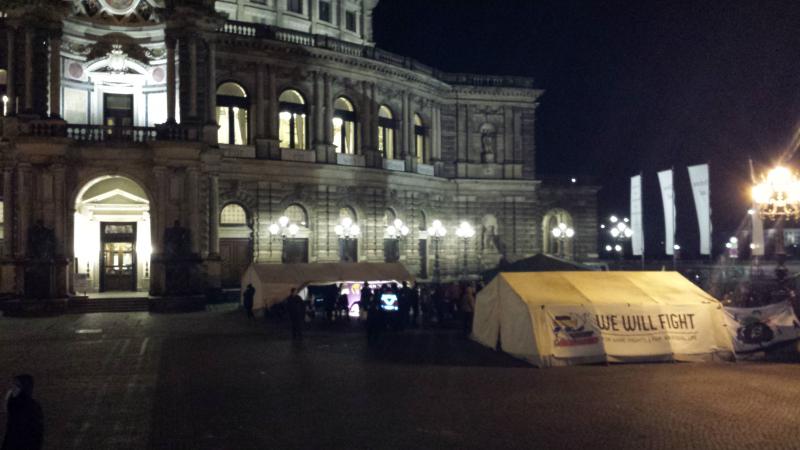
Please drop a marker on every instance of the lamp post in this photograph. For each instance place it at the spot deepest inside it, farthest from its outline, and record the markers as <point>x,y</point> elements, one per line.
<point>283,229</point>
<point>465,231</point>
<point>733,247</point>
<point>397,230</point>
<point>437,231</point>
<point>777,197</point>
<point>562,233</point>
<point>347,230</point>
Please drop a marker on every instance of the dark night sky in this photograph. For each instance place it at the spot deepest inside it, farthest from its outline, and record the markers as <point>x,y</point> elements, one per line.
<point>630,86</point>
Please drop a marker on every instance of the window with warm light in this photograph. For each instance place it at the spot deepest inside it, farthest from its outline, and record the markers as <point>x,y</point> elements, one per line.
<point>386,127</point>
<point>233,214</point>
<point>344,126</point>
<point>232,112</point>
<point>420,140</point>
<point>292,120</point>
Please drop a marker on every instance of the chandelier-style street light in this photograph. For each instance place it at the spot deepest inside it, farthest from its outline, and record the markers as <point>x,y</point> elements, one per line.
<point>465,231</point>
<point>397,230</point>
<point>562,233</point>
<point>283,228</point>
<point>436,232</point>
<point>347,229</point>
<point>777,197</point>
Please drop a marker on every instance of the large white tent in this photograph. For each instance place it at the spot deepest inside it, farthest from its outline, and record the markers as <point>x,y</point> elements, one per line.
<point>273,281</point>
<point>565,318</point>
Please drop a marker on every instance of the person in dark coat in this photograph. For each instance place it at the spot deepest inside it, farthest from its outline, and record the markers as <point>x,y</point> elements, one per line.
<point>297,311</point>
<point>25,426</point>
<point>247,301</point>
<point>404,305</point>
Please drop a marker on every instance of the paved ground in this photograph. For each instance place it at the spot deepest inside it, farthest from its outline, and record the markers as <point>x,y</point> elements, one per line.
<point>213,380</point>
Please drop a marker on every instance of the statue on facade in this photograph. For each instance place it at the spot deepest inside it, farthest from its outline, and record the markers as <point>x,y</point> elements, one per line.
<point>177,242</point>
<point>488,138</point>
<point>41,242</point>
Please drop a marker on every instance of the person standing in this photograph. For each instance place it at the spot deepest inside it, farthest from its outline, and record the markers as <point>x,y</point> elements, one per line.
<point>414,300</point>
<point>247,301</point>
<point>297,310</point>
<point>404,305</point>
<point>365,300</point>
<point>25,426</point>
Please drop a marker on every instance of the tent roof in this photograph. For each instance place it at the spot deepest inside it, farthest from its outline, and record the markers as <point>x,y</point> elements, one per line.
<point>540,288</point>
<point>536,263</point>
<point>303,274</point>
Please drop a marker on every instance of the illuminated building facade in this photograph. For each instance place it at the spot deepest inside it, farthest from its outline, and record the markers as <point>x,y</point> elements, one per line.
<point>260,130</point>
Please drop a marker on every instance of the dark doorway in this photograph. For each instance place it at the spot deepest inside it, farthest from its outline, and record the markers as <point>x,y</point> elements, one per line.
<point>391,250</point>
<point>236,256</point>
<point>295,250</point>
<point>348,250</point>
<point>423,258</point>
<point>118,258</point>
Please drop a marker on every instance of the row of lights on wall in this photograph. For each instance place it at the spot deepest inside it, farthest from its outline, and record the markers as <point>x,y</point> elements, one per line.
<point>347,229</point>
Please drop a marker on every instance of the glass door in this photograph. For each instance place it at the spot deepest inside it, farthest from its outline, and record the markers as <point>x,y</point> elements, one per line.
<point>118,261</point>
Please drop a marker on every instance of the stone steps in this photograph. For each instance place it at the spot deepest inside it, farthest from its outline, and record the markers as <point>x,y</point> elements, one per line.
<point>82,305</point>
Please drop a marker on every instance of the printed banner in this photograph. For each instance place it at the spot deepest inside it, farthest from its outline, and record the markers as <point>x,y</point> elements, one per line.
<point>668,199</point>
<point>620,330</point>
<point>699,177</point>
<point>637,240</point>
<point>758,328</point>
<point>757,240</point>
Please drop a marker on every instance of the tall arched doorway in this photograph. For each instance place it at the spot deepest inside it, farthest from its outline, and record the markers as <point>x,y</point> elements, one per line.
<point>235,243</point>
<point>550,244</point>
<point>112,235</point>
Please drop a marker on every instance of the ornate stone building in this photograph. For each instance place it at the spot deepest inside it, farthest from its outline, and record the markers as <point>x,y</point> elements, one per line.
<point>163,145</point>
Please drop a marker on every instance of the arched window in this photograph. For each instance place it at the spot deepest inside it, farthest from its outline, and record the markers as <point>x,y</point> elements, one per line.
<point>295,247</point>
<point>386,127</point>
<point>420,140</point>
<point>388,217</point>
<point>348,243</point>
<point>344,126</point>
<point>232,107</point>
<point>550,244</point>
<point>292,119</point>
<point>233,214</point>
<point>297,214</point>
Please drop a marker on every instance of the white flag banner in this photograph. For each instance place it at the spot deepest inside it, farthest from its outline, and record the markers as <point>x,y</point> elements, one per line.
<point>701,190</point>
<point>757,240</point>
<point>637,240</point>
<point>668,199</point>
<point>757,328</point>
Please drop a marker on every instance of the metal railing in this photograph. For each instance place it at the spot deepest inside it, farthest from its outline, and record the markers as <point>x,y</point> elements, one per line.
<point>109,133</point>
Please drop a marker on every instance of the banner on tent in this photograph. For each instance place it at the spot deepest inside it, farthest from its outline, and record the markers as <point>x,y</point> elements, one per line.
<point>668,200</point>
<point>621,330</point>
<point>637,240</point>
<point>698,176</point>
<point>758,328</point>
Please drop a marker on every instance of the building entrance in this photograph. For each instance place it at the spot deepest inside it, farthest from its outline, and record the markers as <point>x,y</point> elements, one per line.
<point>118,261</point>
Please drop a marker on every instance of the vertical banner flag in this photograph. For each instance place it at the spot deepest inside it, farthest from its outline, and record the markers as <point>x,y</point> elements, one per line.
<point>668,199</point>
<point>637,240</point>
<point>757,239</point>
<point>698,176</point>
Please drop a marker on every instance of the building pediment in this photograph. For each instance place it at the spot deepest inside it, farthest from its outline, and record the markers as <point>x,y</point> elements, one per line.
<point>120,12</point>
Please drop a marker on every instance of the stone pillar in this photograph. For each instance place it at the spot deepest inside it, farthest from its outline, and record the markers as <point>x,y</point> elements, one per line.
<point>28,105</point>
<point>157,227</point>
<point>171,79</point>
<point>23,207</point>
<point>11,90</point>
<point>319,110</point>
<point>8,213</point>
<point>404,145</point>
<point>55,77</point>
<point>193,77</point>
<point>59,230</point>
<point>213,213</point>
<point>327,120</point>
<point>192,194</point>
<point>258,105</point>
<point>212,84</point>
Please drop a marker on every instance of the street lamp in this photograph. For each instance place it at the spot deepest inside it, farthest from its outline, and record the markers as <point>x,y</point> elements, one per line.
<point>562,232</point>
<point>396,231</point>
<point>436,232</point>
<point>733,247</point>
<point>620,232</point>
<point>283,228</point>
<point>347,229</point>
<point>465,231</point>
<point>777,197</point>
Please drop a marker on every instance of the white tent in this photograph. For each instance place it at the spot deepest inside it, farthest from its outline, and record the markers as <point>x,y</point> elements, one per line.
<point>564,318</point>
<point>273,281</point>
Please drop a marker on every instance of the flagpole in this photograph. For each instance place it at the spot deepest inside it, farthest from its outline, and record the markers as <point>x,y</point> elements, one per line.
<point>641,212</point>
<point>674,223</point>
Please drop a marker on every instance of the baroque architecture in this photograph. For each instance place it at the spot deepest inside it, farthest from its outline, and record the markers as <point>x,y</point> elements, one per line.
<point>163,145</point>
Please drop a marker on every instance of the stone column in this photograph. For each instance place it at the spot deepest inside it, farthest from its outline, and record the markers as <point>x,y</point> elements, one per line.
<point>213,213</point>
<point>193,77</point>
<point>157,227</point>
<point>11,90</point>
<point>55,77</point>
<point>28,70</point>
<point>271,148</point>
<point>171,79</point>
<point>23,207</point>
<point>59,207</point>
<point>8,213</point>
<point>319,110</point>
<point>193,192</point>
<point>212,84</point>
<point>258,104</point>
